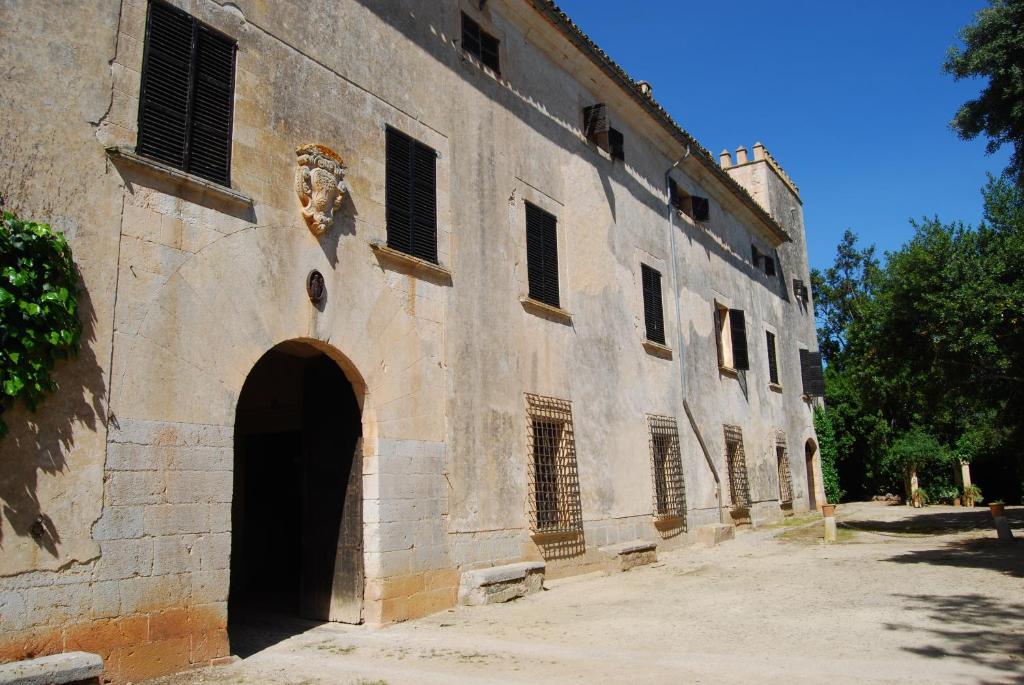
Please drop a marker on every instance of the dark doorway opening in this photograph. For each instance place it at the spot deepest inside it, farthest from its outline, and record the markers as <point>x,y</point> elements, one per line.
<point>296,541</point>
<point>809,451</point>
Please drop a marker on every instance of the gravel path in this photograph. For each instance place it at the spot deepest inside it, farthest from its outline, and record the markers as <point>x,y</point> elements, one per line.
<point>926,595</point>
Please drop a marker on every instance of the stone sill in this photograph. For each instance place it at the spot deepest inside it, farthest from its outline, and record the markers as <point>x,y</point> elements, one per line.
<point>663,522</point>
<point>555,536</point>
<point>420,267</point>
<point>128,156</point>
<point>545,310</point>
<point>657,349</point>
<point>775,387</point>
<point>728,371</point>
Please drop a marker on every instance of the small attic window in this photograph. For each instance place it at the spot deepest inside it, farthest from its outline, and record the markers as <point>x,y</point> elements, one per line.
<point>694,206</point>
<point>480,44</point>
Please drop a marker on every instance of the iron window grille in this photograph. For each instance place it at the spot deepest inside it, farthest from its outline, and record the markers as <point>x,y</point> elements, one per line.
<point>667,467</point>
<point>411,196</point>
<point>186,97</point>
<point>542,255</point>
<point>773,363</point>
<point>654,316</point>
<point>480,44</point>
<point>785,477</point>
<point>554,489</point>
<point>736,461</point>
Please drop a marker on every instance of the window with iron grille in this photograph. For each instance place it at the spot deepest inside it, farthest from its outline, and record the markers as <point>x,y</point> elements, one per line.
<point>773,364</point>
<point>554,497</point>
<point>654,318</point>
<point>736,461</point>
<point>479,43</point>
<point>186,94</point>
<point>542,255</point>
<point>411,196</point>
<point>667,466</point>
<point>785,479</point>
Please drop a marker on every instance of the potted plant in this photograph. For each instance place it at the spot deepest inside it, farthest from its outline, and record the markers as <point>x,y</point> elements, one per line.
<point>998,508</point>
<point>972,495</point>
<point>828,510</point>
<point>956,501</point>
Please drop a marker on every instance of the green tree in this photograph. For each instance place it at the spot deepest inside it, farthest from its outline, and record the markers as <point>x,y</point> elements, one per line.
<point>994,49</point>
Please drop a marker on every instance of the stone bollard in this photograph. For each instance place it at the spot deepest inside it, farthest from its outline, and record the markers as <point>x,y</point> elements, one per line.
<point>829,512</point>
<point>1003,528</point>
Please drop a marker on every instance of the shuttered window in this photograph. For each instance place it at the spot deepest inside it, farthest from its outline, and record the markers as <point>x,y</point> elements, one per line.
<point>696,207</point>
<point>187,94</point>
<point>769,266</point>
<point>738,331</point>
<point>616,144</point>
<point>411,196</point>
<point>701,208</point>
<point>654,318</point>
<point>479,43</point>
<point>595,125</point>
<point>811,374</point>
<point>542,255</point>
<point>773,364</point>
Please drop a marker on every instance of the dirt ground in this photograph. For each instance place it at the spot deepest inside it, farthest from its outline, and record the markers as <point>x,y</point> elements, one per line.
<point>907,595</point>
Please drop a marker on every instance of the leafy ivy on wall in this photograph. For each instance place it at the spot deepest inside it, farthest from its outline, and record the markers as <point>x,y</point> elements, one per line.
<point>39,321</point>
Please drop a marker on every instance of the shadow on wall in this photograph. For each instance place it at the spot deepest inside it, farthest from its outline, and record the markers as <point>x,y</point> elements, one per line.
<point>975,628</point>
<point>40,441</point>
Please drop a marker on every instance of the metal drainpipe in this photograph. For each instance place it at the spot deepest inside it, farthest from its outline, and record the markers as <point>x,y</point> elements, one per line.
<point>679,335</point>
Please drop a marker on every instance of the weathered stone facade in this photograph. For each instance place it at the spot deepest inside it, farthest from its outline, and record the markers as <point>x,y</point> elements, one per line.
<point>116,535</point>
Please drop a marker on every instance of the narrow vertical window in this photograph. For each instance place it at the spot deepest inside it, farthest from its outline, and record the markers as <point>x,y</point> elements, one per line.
<point>542,255</point>
<point>773,364</point>
<point>186,96</point>
<point>654,319</point>
<point>411,196</point>
<point>738,332</point>
<point>554,498</point>
<point>667,467</point>
<point>736,461</point>
<point>785,478</point>
<point>480,44</point>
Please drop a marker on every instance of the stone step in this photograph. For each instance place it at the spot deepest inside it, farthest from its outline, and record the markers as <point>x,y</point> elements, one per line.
<point>715,533</point>
<point>501,583</point>
<point>78,668</point>
<point>627,555</point>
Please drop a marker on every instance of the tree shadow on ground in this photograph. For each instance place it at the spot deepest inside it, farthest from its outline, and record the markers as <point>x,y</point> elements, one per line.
<point>975,628</point>
<point>940,523</point>
<point>1006,557</point>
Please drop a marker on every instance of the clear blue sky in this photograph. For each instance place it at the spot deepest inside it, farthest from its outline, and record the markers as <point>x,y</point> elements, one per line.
<point>849,97</point>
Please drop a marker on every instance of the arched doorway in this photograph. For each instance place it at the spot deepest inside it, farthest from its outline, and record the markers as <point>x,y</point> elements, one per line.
<point>809,450</point>
<point>296,539</point>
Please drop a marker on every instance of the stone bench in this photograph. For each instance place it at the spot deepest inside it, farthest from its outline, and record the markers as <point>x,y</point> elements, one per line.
<point>70,668</point>
<point>715,533</point>
<point>627,555</point>
<point>501,583</point>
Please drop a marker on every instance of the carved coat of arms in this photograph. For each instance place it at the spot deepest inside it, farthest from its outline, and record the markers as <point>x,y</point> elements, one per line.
<point>320,185</point>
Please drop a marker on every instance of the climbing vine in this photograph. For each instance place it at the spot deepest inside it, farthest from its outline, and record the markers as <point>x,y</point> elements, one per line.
<point>39,321</point>
<point>828,452</point>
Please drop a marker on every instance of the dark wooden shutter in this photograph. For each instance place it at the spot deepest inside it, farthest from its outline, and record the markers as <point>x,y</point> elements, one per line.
<point>210,144</point>
<point>738,329</point>
<point>470,35</point>
<point>542,255</point>
<point>654,319</point>
<point>187,94</point>
<point>166,85</point>
<point>411,196</point>
<point>479,43</point>
<point>755,255</point>
<point>773,364</point>
<point>701,208</point>
<point>595,124</point>
<point>798,288</point>
<point>616,144</point>
<point>489,51</point>
<point>769,266</point>
<point>811,373</point>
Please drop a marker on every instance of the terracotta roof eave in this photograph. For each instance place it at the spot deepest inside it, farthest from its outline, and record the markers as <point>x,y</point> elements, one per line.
<point>576,36</point>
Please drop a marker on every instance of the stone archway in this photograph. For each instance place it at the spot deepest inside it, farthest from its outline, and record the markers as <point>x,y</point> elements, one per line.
<point>297,505</point>
<point>810,450</point>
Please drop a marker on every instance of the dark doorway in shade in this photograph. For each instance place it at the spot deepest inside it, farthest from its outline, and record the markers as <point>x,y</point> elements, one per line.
<point>296,538</point>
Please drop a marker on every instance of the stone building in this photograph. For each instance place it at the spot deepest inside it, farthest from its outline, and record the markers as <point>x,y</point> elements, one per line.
<point>377,294</point>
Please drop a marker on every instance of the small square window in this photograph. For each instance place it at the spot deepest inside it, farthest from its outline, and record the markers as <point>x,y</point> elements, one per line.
<point>480,44</point>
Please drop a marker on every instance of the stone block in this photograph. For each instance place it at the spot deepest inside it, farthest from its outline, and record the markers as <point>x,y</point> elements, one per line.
<point>712,534</point>
<point>124,558</point>
<point>501,583</point>
<point>627,555</point>
<point>70,667</point>
<point>119,523</point>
